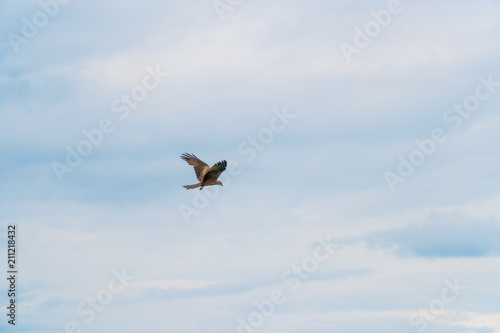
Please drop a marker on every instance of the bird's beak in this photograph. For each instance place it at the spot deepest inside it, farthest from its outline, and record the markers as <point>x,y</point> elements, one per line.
<point>221,184</point>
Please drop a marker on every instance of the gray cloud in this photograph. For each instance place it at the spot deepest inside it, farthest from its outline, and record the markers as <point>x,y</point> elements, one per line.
<point>444,235</point>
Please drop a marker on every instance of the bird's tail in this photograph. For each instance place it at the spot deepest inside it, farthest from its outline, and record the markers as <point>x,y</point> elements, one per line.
<point>190,187</point>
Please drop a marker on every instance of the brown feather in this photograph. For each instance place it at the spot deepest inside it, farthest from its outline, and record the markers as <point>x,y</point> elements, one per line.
<point>215,171</point>
<point>200,168</point>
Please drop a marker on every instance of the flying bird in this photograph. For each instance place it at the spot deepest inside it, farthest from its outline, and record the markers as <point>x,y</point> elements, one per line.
<point>206,175</point>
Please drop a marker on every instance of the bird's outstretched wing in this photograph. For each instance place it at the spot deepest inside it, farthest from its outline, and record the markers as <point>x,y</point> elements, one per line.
<point>200,168</point>
<point>216,170</point>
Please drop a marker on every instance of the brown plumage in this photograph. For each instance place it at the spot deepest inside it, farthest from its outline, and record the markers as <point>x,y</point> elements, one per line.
<point>206,175</point>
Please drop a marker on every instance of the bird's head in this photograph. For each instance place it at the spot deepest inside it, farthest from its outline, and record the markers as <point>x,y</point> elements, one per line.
<point>220,183</point>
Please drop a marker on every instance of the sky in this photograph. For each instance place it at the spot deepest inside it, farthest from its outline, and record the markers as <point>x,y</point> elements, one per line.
<point>361,193</point>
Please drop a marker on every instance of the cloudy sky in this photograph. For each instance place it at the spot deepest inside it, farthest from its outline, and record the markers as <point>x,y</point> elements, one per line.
<point>362,139</point>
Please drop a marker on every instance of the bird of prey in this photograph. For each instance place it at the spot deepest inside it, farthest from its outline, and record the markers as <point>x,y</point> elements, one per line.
<point>206,175</point>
